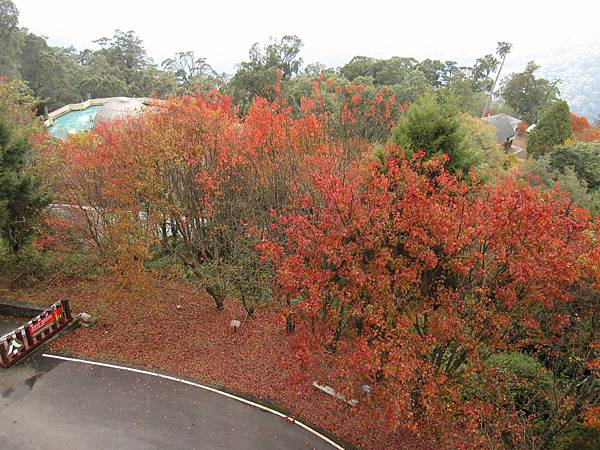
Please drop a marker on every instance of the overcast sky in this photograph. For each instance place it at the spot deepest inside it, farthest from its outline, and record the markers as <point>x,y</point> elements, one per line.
<point>332,31</point>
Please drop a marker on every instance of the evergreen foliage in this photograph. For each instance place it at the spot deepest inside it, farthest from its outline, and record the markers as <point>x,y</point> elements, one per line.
<point>433,124</point>
<point>21,194</point>
<point>553,129</point>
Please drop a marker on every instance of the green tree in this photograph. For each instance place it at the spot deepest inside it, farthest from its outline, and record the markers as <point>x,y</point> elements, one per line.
<point>64,75</point>
<point>17,106</point>
<point>151,82</point>
<point>528,95</point>
<point>101,84</point>
<point>360,66</point>
<point>582,157</point>
<point>552,130</point>
<point>313,70</point>
<point>267,64</point>
<point>9,18</point>
<point>125,50</point>
<point>434,71</point>
<point>568,181</point>
<point>395,71</point>
<point>481,72</point>
<point>187,68</point>
<point>468,98</point>
<point>400,74</point>
<point>21,194</point>
<point>438,73</point>
<point>122,68</point>
<point>9,50</point>
<point>433,124</point>
<point>283,54</point>
<point>480,138</point>
<point>502,51</point>
<point>50,71</point>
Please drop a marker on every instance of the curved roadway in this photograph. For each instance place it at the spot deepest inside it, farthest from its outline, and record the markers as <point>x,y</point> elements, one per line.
<point>47,403</point>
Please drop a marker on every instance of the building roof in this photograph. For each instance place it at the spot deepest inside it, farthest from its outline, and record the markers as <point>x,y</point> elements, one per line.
<point>118,108</point>
<point>505,126</point>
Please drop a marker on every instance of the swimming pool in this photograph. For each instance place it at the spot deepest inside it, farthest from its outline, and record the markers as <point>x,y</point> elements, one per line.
<point>74,121</point>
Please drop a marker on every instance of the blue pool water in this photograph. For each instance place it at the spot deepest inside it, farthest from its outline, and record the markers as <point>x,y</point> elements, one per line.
<point>74,121</point>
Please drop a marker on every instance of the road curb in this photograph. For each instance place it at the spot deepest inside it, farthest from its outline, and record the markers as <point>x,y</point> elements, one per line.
<point>260,403</point>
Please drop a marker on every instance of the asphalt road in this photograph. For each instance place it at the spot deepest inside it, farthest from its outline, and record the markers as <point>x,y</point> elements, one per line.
<point>52,404</point>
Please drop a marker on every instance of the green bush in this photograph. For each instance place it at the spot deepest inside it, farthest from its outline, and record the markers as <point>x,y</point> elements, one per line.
<point>22,196</point>
<point>480,137</point>
<point>583,157</point>
<point>527,383</point>
<point>433,124</point>
<point>553,129</point>
<point>31,265</point>
<point>576,436</point>
<point>576,169</point>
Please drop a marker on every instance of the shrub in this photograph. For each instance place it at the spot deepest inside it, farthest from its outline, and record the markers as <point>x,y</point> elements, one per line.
<point>527,383</point>
<point>21,194</point>
<point>33,264</point>
<point>589,135</point>
<point>541,171</point>
<point>576,436</point>
<point>403,277</point>
<point>583,158</point>
<point>433,124</point>
<point>553,129</point>
<point>480,138</point>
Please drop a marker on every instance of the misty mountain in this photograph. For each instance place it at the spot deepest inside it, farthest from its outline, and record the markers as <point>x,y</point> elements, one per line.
<point>578,69</point>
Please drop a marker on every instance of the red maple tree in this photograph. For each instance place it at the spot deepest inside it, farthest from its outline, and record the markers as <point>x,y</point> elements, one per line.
<point>403,277</point>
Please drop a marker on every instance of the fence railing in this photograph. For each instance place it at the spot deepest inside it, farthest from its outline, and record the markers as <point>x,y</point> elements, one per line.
<point>17,344</point>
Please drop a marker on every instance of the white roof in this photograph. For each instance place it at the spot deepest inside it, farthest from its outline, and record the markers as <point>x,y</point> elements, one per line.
<point>118,108</point>
<point>505,126</point>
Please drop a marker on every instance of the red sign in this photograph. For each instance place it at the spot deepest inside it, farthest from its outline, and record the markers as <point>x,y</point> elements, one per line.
<point>25,339</point>
<point>53,317</point>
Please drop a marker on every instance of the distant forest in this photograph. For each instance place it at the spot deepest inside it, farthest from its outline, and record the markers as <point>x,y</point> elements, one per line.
<point>122,67</point>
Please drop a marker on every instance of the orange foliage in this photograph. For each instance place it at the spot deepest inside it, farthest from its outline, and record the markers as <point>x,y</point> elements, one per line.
<point>579,123</point>
<point>522,128</point>
<point>589,135</point>
<point>397,274</point>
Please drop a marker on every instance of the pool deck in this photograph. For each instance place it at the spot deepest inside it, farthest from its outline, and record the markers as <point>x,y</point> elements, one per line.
<point>84,105</point>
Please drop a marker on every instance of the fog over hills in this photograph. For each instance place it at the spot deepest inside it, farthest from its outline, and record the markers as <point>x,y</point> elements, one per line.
<point>578,69</point>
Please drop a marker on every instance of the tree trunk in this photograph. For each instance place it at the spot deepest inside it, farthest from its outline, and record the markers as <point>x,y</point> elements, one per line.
<point>217,296</point>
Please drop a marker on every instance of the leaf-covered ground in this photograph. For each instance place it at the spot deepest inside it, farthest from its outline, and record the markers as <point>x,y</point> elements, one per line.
<point>177,329</point>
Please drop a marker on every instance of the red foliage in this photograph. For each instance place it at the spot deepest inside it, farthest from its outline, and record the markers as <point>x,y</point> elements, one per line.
<point>397,276</point>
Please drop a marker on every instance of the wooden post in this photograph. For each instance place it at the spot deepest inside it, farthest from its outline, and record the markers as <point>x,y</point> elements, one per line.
<point>66,310</point>
<point>3,356</point>
<point>26,337</point>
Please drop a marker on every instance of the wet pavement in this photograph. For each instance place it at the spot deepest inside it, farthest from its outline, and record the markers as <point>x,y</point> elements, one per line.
<point>53,404</point>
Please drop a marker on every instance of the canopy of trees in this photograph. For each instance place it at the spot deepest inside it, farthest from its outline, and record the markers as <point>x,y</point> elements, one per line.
<point>367,206</point>
<point>440,292</point>
<point>527,95</point>
<point>120,66</point>
<point>433,125</point>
